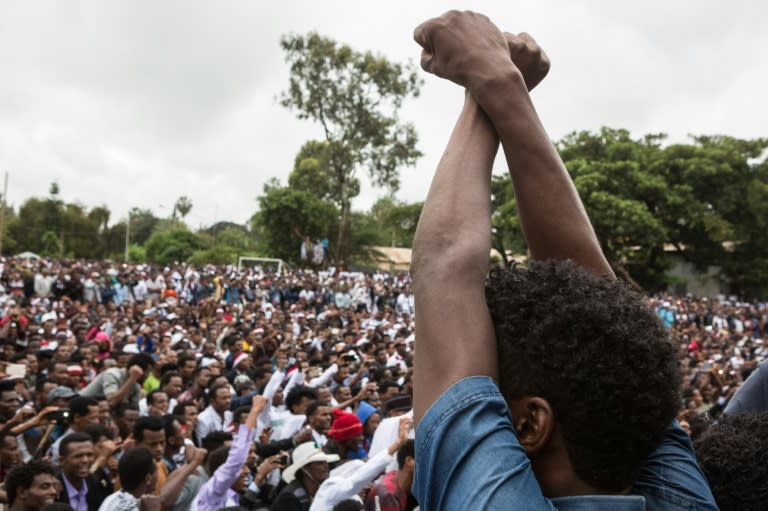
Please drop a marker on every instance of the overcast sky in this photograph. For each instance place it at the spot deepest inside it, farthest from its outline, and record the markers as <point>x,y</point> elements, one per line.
<point>135,103</point>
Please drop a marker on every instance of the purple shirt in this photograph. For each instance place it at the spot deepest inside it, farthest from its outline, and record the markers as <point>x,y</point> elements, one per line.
<point>217,491</point>
<point>77,499</point>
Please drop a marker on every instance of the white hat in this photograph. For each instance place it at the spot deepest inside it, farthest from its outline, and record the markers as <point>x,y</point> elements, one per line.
<point>303,455</point>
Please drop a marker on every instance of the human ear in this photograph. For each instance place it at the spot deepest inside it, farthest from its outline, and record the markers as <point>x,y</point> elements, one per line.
<point>534,422</point>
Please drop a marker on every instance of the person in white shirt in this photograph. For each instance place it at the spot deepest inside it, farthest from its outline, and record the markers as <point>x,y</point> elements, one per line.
<point>138,477</point>
<point>405,302</point>
<point>319,418</point>
<point>349,479</point>
<point>217,416</point>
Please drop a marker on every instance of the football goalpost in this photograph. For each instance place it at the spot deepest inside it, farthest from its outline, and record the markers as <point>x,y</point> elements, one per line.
<point>264,262</point>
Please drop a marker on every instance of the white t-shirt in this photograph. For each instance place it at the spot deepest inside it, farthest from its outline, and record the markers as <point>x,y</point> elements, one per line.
<point>120,501</point>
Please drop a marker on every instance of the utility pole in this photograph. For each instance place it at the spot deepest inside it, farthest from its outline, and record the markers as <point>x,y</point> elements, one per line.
<point>2,212</point>
<point>127,234</point>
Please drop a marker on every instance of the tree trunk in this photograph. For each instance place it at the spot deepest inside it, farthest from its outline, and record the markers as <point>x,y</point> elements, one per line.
<point>345,207</point>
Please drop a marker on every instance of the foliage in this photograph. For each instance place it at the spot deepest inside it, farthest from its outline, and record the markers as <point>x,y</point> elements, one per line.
<point>396,221</point>
<point>217,254</point>
<point>355,97</point>
<point>143,223</point>
<point>506,236</point>
<point>182,206</point>
<point>173,245</point>
<point>284,213</point>
<point>644,199</point>
<point>137,253</point>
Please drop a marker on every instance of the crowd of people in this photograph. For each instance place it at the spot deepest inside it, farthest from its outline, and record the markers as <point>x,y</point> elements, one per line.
<point>149,380</point>
<point>137,387</point>
<point>201,388</point>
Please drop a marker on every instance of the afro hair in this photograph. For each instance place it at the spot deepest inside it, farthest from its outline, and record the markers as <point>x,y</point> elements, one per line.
<point>597,353</point>
<point>733,454</point>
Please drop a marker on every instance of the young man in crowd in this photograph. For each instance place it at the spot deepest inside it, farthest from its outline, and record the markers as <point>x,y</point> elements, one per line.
<point>81,489</point>
<point>137,472</point>
<point>393,492</point>
<point>217,416</point>
<point>170,486</point>
<point>31,486</point>
<point>588,375</point>
<point>227,465</point>
<point>732,451</point>
<point>82,412</point>
<point>121,385</point>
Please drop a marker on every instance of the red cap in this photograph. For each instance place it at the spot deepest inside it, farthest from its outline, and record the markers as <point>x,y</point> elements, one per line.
<point>345,426</point>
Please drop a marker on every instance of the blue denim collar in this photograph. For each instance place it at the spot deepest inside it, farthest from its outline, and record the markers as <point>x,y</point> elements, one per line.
<point>600,503</point>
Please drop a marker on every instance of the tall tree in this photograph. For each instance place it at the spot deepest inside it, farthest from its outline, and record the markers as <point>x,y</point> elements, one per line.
<point>356,98</point>
<point>183,206</point>
<point>396,220</point>
<point>284,213</point>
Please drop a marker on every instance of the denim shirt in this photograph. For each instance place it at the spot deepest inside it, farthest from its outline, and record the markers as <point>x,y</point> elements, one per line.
<point>468,457</point>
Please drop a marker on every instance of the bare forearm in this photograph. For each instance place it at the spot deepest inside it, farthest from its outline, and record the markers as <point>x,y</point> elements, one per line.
<point>553,219</point>
<point>175,484</point>
<point>451,254</point>
<point>122,393</point>
<point>455,221</point>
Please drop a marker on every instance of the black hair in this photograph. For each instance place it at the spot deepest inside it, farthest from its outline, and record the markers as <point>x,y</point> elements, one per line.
<point>147,423</point>
<point>124,407</point>
<point>339,387</point>
<point>97,431</point>
<point>152,394</point>
<point>72,438</point>
<point>168,376</point>
<point>134,466</point>
<point>388,384</point>
<point>168,421</point>
<point>7,386</point>
<point>181,407</point>
<point>732,456</point>
<point>597,353</point>
<point>260,372</point>
<point>21,477</point>
<point>43,354</point>
<point>182,360</point>
<point>215,439</point>
<point>199,369</point>
<point>296,394</point>
<point>239,412</point>
<point>143,360</point>
<point>405,451</point>
<point>79,405</point>
<point>348,505</point>
<point>168,368</point>
<point>313,406</point>
<point>217,458</point>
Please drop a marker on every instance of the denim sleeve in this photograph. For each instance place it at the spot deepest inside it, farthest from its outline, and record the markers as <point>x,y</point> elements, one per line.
<point>752,396</point>
<point>671,478</point>
<point>468,457</point>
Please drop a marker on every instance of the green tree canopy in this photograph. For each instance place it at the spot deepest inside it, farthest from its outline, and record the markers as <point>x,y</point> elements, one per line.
<point>172,245</point>
<point>284,213</point>
<point>356,98</point>
<point>644,198</point>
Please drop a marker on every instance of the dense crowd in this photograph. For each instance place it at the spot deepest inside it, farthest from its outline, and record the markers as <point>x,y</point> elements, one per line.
<point>128,386</point>
<point>154,381</point>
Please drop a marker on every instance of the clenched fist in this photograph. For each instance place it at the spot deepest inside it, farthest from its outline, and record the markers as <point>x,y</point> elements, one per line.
<point>529,58</point>
<point>464,47</point>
